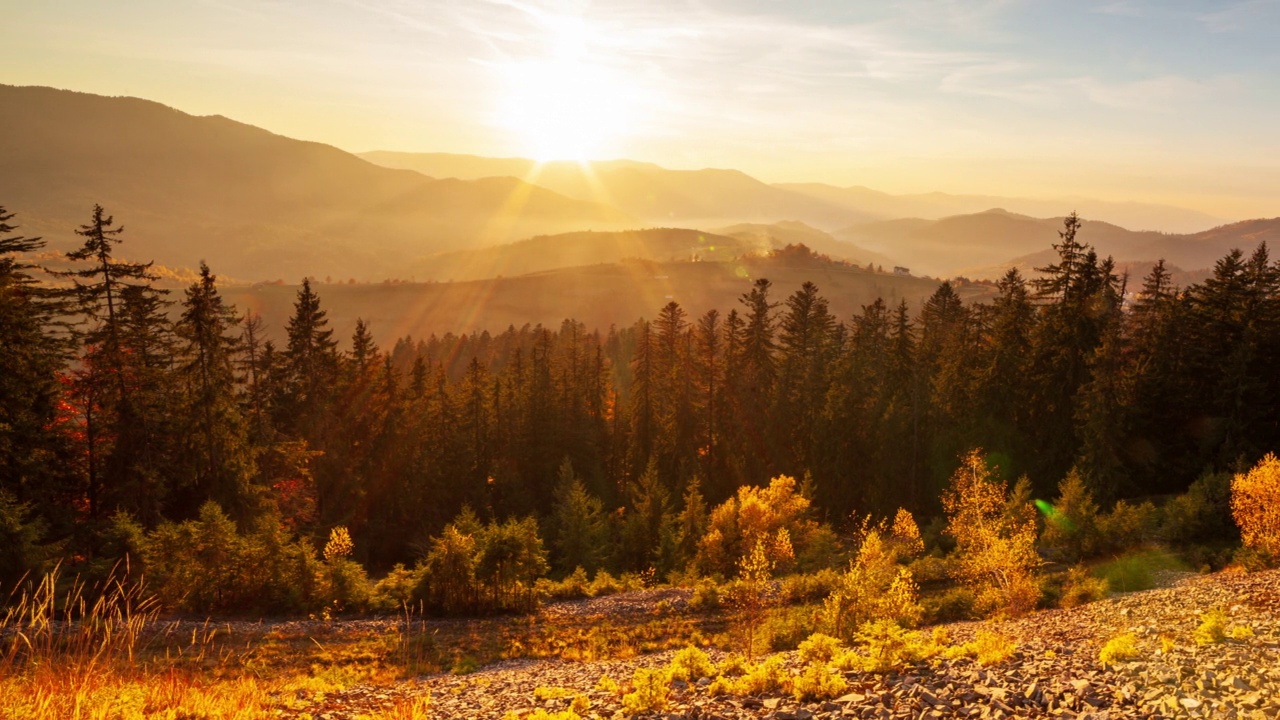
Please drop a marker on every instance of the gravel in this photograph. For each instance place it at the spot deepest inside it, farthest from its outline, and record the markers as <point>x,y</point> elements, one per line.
<point>1055,671</point>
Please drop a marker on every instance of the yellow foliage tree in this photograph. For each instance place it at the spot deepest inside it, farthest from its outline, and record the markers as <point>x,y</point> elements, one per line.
<point>777,516</point>
<point>876,587</point>
<point>995,543</point>
<point>1255,504</point>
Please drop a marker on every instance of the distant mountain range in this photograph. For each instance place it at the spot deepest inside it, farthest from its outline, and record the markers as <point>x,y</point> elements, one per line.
<point>259,206</point>
<point>709,197</point>
<point>254,204</point>
<point>982,245</point>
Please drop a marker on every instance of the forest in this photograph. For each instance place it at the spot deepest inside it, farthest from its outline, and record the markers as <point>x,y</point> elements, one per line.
<point>165,432</point>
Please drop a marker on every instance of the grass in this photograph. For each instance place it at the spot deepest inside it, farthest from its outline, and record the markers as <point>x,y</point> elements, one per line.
<point>1136,570</point>
<point>70,651</point>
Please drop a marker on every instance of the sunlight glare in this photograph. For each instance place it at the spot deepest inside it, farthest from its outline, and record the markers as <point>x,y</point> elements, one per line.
<point>568,105</point>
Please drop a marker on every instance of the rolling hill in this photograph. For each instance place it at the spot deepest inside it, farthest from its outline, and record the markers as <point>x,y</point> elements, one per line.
<point>598,295</point>
<point>254,204</point>
<point>981,245</point>
<point>937,205</point>
<point>701,198</point>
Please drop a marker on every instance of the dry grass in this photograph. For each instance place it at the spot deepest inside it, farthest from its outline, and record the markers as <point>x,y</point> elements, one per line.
<point>68,651</point>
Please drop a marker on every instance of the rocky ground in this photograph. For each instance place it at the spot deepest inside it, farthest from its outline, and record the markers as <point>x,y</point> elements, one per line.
<point>1055,671</point>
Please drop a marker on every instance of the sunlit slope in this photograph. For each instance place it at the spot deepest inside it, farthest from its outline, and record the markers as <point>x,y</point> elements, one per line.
<point>779,235</point>
<point>979,245</point>
<point>598,295</point>
<point>654,194</point>
<point>937,205</point>
<point>548,252</point>
<point>252,203</point>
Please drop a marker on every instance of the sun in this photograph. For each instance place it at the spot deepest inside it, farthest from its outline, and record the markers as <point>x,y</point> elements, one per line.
<point>568,104</point>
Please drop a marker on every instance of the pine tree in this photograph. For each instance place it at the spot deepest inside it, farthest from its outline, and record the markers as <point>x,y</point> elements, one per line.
<point>217,456</point>
<point>34,447</point>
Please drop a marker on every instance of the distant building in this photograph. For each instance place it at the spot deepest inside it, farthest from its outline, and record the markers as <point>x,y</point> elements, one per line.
<point>899,270</point>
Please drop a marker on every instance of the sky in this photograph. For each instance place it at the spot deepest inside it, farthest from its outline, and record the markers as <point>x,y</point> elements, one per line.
<point>1154,101</point>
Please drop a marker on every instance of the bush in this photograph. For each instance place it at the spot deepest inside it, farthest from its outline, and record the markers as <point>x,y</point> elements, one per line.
<point>348,586</point>
<point>818,682</point>
<point>1136,571</point>
<point>1126,526</point>
<point>472,568</point>
<point>604,584</point>
<point>206,566</point>
<point>809,587</point>
<point>819,648</point>
<point>785,628</point>
<point>874,587</point>
<point>1255,505</point>
<point>574,587</point>
<point>705,596</point>
<point>995,542</point>
<point>1212,629</point>
<point>990,648</point>
<point>1121,648</point>
<point>1082,587</point>
<point>1071,531</point>
<point>649,692</point>
<point>394,593</point>
<point>757,516</point>
<point>953,605</point>
<point>691,664</point>
<point>1202,514</point>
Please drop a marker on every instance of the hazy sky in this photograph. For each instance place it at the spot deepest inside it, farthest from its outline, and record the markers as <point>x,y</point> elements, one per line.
<point>1143,100</point>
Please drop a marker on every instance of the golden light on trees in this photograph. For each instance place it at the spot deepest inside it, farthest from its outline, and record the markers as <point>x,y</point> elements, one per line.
<point>1255,504</point>
<point>995,543</point>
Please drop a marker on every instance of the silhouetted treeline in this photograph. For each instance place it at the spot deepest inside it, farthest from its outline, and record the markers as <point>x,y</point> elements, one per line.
<point>107,405</point>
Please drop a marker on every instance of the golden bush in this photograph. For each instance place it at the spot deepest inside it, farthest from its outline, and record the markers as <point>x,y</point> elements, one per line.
<point>1255,504</point>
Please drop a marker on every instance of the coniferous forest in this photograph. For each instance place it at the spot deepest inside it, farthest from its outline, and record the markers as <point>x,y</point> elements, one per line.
<point>147,424</point>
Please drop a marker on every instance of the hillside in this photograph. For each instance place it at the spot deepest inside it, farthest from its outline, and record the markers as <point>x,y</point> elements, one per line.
<point>549,252</point>
<point>654,194</point>
<point>597,295</point>
<point>980,245</point>
<point>781,234</point>
<point>936,205</point>
<point>253,204</point>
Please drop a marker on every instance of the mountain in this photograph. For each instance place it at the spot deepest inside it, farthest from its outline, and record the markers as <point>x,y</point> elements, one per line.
<point>252,203</point>
<point>1197,252</point>
<point>933,206</point>
<point>657,195</point>
<point>982,245</point>
<point>550,252</point>
<point>597,295</point>
<point>779,235</point>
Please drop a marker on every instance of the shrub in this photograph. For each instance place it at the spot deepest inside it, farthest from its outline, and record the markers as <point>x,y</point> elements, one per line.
<point>874,587</point>
<point>1241,632</point>
<point>808,587</point>
<point>1071,531</point>
<point>952,605</point>
<point>705,596</point>
<point>1212,629</point>
<point>604,584</point>
<point>206,566</point>
<point>573,587</point>
<point>818,682</point>
<point>649,692</point>
<point>691,664</point>
<point>990,648</point>
<point>1082,587</point>
<point>473,568</point>
<point>785,628</point>
<point>607,684</point>
<point>733,665</point>
<point>1135,571</point>
<point>1255,505</point>
<point>1121,648</point>
<point>754,516</point>
<point>766,677</point>
<point>887,645</point>
<point>1202,514</point>
<point>995,543</point>
<point>819,648</point>
<point>394,592</point>
<point>1126,526</point>
<point>348,587</point>
<point>751,594</point>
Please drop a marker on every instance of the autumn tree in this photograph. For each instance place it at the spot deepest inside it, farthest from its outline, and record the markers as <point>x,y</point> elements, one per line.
<point>995,544</point>
<point>1255,504</point>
